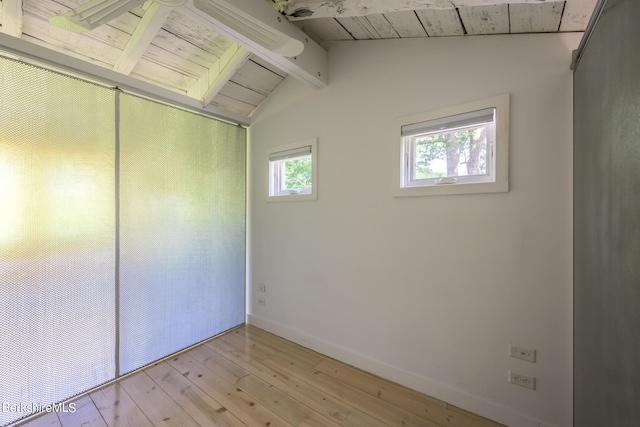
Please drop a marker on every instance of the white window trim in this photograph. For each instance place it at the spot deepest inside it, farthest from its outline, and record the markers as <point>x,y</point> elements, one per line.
<point>501,151</point>
<point>302,196</point>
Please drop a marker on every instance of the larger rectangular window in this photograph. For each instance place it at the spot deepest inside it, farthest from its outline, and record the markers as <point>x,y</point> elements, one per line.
<point>462,149</point>
<point>450,150</point>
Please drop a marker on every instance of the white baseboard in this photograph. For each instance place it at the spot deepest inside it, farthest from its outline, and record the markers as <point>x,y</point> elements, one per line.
<point>459,398</point>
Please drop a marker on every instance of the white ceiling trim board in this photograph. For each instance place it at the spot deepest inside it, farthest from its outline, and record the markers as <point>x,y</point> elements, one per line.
<point>310,66</point>
<point>12,17</point>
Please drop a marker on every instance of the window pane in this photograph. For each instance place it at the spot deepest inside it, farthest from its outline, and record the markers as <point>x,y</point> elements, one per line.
<point>457,153</point>
<point>297,173</point>
<point>57,236</point>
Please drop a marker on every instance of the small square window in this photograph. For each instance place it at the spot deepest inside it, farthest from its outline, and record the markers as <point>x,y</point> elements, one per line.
<point>443,151</point>
<point>292,171</point>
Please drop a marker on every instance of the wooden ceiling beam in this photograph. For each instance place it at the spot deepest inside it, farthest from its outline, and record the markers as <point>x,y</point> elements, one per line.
<point>309,66</point>
<point>151,22</point>
<point>12,17</point>
<point>214,79</point>
<point>306,9</point>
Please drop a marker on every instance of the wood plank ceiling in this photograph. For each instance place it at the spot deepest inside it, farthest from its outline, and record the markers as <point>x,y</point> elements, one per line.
<point>505,18</point>
<point>169,48</point>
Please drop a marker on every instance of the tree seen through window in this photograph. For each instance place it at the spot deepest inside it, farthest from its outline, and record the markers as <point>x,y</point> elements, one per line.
<point>455,153</point>
<point>297,173</point>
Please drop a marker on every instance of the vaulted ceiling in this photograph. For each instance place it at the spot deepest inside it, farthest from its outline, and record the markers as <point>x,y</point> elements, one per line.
<point>173,49</point>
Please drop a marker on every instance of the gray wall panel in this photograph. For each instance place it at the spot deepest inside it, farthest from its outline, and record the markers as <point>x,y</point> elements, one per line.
<point>607,222</point>
<point>57,238</point>
<point>182,229</point>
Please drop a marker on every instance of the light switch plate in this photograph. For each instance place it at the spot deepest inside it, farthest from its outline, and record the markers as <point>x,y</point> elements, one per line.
<point>522,353</point>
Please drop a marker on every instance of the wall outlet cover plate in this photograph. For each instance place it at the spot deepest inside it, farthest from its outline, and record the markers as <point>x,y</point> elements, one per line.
<point>522,380</point>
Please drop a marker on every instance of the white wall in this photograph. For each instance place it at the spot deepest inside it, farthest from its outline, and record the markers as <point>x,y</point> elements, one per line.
<point>426,291</point>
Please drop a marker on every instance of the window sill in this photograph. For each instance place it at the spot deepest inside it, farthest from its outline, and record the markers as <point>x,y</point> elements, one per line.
<point>293,198</point>
<point>449,189</point>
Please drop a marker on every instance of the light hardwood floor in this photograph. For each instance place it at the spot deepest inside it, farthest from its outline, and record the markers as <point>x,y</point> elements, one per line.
<point>249,377</point>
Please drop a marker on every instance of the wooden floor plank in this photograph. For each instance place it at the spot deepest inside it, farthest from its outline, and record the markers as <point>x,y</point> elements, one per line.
<point>316,420</point>
<point>308,395</point>
<point>86,415</point>
<point>232,397</point>
<point>275,346</point>
<point>117,408</point>
<point>155,403</point>
<point>202,407</point>
<point>393,394</point>
<point>281,345</point>
<point>271,397</point>
<point>288,408</point>
<point>46,420</point>
<point>358,418</point>
<point>371,405</point>
<point>218,364</point>
<point>254,348</point>
<point>474,420</point>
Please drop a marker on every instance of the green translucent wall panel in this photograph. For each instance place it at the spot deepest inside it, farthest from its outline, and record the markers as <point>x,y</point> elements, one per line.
<point>57,236</point>
<point>182,229</point>
<point>181,197</point>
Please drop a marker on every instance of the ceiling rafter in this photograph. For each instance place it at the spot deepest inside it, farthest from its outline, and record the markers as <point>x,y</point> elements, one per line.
<point>12,17</point>
<point>213,80</point>
<point>307,9</point>
<point>310,66</point>
<point>151,22</point>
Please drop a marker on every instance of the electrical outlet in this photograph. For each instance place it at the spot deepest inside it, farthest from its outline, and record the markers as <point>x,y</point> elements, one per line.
<point>262,288</point>
<point>522,380</point>
<point>261,301</point>
<point>522,353</point>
